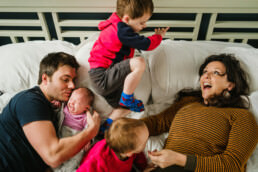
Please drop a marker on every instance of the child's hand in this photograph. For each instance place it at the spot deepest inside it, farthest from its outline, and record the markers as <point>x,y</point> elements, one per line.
<point>161,31</point>
<point>87,146</point>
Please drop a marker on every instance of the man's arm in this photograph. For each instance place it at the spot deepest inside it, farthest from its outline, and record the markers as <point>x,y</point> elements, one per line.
<point>54,151</point>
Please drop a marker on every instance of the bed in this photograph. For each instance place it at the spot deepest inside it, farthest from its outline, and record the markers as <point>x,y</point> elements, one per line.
<point>29,29</point>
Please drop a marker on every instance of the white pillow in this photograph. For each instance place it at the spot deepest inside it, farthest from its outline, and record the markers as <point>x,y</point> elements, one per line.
<point>4,99</point>
<point>20,62</point>
<point>174,65</point>
<point>252,163</point>
<point>254,104</point>
<point>82,54</point>
<point>248,58</point>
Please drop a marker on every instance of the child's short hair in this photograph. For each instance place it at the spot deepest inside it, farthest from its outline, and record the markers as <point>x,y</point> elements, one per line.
<point>121,137</point>
<point>134,8</point>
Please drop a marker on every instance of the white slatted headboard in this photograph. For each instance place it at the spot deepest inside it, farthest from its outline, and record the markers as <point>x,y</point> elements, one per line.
<point>191,26</point>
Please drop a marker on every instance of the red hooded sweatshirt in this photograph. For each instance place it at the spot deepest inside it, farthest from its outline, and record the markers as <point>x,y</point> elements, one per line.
<point>117,41</point>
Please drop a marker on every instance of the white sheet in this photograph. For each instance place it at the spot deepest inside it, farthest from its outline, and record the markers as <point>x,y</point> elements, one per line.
<point>248,58</point>
<point>171,67</point>
<point>252,164</point>
<point>20,62</point>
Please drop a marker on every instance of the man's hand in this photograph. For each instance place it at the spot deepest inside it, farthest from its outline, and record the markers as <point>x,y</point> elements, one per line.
<point>93,121</point>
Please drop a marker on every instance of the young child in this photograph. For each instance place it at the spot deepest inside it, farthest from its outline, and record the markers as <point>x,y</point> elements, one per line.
<point>114,72</point>
<point>72,119</point>
<point>122,147</point>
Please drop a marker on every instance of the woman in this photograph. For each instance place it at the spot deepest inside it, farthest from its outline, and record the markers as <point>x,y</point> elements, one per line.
<point>210,129</point>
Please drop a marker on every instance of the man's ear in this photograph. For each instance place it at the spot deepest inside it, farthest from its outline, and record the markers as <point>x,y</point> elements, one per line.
<point>44,78</point>
<point>125,18</point>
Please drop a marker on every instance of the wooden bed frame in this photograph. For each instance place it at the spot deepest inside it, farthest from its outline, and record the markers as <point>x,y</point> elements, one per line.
<point>49,15</point>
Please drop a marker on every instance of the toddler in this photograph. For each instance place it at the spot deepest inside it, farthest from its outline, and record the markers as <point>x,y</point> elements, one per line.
<point>72,119</point>
<point>122,147</point>
<point>114,72</point>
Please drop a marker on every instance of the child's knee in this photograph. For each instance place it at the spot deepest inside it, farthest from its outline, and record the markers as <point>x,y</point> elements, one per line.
<point>141,62</point>
<point>138,63</point>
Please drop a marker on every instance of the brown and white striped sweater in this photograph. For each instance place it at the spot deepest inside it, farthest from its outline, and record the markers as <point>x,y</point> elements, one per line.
<point>222,139</point>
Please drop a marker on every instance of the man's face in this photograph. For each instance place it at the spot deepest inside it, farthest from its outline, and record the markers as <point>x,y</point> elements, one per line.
<point>60,85</point>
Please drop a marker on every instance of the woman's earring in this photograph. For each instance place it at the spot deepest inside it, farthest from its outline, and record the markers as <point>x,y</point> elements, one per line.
<point>226,94</point>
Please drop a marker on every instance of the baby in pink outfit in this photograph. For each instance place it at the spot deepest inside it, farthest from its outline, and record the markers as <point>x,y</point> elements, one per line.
<point>72,120</point>
<point>75,110</point>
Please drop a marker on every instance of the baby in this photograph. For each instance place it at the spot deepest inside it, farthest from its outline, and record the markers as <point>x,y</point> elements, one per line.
<point>122,147</point>
<point>72,120</point>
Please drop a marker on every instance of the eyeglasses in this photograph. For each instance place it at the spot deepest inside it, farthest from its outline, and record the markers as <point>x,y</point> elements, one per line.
<point>213,73</point>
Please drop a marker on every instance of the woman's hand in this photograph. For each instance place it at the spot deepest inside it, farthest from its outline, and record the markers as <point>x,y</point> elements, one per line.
<point>166,157</point>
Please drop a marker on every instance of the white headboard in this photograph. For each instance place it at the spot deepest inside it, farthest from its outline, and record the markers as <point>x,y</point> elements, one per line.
<point>194,10</point>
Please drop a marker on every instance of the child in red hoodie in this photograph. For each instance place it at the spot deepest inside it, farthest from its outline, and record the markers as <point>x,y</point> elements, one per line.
<point>122,147</point>
<point>114,72</point>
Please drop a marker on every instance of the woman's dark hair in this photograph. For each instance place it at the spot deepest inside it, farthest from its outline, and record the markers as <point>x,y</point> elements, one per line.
<point>235,74</point>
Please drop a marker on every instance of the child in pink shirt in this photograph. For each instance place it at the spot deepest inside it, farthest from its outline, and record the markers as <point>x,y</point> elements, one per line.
<point>122,147</point>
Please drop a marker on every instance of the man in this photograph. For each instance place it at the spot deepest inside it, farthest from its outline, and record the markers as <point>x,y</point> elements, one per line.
<point>28,140</point>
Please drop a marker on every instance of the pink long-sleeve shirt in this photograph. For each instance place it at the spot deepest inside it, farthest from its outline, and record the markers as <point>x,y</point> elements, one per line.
<point>101,158</point>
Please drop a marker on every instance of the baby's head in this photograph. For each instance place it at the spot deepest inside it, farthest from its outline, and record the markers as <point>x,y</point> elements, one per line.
<point>127,136</point>
<point>135,13</point>
<point>80,101</point>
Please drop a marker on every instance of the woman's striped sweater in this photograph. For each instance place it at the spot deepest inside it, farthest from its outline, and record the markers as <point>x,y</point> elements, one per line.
<point>222,139</point>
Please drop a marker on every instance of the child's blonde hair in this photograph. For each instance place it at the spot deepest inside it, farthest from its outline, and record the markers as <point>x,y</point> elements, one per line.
<point>134,8</point>
<point>122,134</point>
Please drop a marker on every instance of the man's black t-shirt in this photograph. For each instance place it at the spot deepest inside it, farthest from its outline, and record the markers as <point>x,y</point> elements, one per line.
<point>16,153</point>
